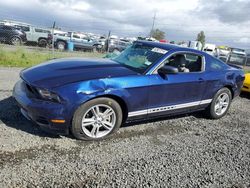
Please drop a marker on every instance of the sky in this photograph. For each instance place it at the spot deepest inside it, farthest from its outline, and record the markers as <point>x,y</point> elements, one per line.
<point>225,22</point>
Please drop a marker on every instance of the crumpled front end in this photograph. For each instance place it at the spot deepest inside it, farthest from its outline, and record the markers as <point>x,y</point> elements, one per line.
<point>50,116</point>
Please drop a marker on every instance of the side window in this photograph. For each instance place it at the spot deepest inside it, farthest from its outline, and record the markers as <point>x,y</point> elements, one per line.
<point>24,28</point>
<point>216,65</point>
<point>8,28</point>
<point>76,36</point>
<point>186,62</point>
<point>41,30</point>
<point>86,38</point>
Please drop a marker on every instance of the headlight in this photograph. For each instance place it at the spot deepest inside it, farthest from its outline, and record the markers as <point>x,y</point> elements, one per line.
<point>45,94</point>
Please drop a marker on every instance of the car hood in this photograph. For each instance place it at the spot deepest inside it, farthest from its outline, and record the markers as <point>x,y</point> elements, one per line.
<point>64,71</point>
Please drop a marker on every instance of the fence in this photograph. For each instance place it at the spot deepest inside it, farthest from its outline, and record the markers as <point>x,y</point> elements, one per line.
<point>18,33</point>
<point>59,42</point>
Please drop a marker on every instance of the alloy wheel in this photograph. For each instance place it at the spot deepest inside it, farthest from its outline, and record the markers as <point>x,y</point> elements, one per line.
<point>61,46</point>
<point>98,121</point>
<point>221,104</point>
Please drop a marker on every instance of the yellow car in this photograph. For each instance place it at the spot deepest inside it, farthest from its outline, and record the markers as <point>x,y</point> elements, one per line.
<point>246,85</point>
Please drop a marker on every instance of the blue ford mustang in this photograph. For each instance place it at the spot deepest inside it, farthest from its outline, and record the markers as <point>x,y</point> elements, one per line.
<point>93,97</point>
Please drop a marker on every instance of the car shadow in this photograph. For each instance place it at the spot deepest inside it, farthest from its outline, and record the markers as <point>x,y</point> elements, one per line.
<point>198,115</point>
<point>11,116</point>
<point>245,95</point>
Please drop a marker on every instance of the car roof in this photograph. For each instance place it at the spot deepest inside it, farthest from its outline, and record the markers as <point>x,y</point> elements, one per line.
<point>7,26</point>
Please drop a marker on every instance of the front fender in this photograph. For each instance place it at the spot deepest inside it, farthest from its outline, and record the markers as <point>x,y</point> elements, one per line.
<point>77,94</point>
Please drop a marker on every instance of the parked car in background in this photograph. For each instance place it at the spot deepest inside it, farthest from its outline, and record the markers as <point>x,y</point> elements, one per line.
<point>248,57</point>
<point>35,35</point>
<point>91,98</point>
<point>79,40</point>
<point>221,52</point>
<point>246,85</point>
<point>210,49</point>
<point>102,40</point>
<point>195,45</point>
<point>237,57</point>
<point>12,35</point>
<point>117,45</point>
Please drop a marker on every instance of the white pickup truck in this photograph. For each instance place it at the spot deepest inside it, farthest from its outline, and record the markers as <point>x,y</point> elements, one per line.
<point>237,57</point>
<point>80,41</point>
<point>210,49</point>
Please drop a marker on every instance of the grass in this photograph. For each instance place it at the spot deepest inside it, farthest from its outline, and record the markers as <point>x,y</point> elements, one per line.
<point>11,56</point>
<point>22,57</point>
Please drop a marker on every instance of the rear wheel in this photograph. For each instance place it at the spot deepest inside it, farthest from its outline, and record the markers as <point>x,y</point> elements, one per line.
<point>116,51</point>
<point>220,104</point>
<point>42,43</point>
<point>96,119</point>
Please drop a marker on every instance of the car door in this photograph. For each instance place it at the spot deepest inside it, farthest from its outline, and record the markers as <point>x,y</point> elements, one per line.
<point>179,92</point>
<point>88,42</point>
<point>29,32</point>
<point>76,39</point>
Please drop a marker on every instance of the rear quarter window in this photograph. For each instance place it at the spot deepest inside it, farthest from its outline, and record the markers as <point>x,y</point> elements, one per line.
<point>216,65</point>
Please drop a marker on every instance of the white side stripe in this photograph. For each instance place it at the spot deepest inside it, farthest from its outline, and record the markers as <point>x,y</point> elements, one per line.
<point>168,108</point>
<point>206,101</point>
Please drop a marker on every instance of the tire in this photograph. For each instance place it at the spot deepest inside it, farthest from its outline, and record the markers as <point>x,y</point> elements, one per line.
<point>116,51</point>
<point>16,41</point>
<point>61,45</point>
<point>94,49</point>
<point>42,43</point>
<point>88,124</point>
<point>220,104</point>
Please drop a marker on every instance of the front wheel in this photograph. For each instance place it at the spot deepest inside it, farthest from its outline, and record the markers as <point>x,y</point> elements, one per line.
<point>96,119</point>
<point>61,45</point>
<point>94,49</point>
<point>16,41</point>
<point>220,104</point>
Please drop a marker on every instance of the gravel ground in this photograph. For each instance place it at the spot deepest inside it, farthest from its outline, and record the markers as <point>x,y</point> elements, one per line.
<point>184,151</point>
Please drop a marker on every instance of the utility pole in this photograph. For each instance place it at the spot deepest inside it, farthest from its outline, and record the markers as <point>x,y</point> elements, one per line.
<point>153,25</point>
<point>108,41</point>
<point>53,42</point>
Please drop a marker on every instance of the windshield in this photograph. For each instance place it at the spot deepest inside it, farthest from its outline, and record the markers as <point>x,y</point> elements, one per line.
<point>139,57</point>
<point>237,59</point>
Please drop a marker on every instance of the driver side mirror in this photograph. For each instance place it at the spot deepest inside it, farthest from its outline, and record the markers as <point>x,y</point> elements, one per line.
<point>163,71</point>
